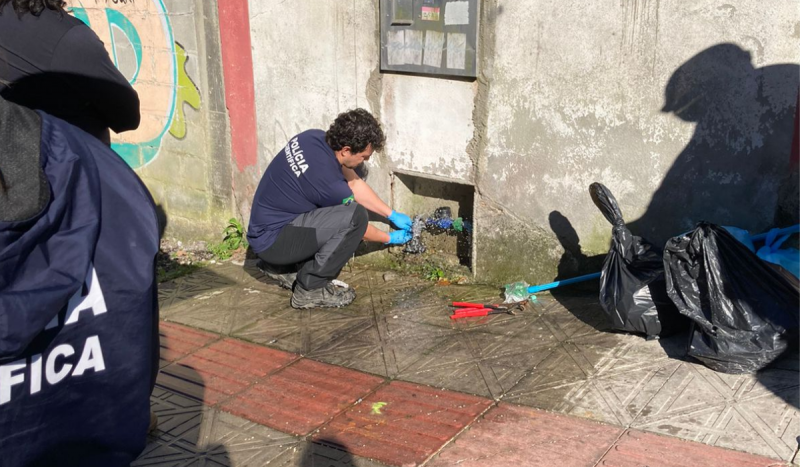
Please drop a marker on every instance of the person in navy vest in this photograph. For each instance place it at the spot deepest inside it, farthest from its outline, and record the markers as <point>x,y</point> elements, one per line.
<point>309,212</point>
<point>79,345</point>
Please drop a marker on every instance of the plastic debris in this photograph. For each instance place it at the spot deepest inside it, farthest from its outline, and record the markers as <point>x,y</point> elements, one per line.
<point>517,292</point>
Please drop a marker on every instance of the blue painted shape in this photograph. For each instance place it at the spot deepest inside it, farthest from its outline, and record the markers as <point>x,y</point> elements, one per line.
<point>118,20</point>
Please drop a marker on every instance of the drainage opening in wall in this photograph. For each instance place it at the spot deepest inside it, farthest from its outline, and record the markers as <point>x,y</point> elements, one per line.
<point>446,208</point>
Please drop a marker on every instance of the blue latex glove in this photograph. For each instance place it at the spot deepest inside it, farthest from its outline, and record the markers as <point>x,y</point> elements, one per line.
<point>399,237</point>
<point>400,220</point>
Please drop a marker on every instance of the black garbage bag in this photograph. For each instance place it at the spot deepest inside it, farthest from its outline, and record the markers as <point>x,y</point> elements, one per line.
<point>632,289</point>
<point>744,311</point>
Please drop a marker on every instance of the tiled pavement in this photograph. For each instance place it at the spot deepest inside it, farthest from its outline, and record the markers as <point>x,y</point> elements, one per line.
<point>365,385</point>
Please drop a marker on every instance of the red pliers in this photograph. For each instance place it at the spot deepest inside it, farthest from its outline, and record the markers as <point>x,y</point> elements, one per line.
<point>467,309</point>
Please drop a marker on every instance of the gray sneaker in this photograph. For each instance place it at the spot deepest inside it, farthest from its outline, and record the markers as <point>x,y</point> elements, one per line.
<point>284,279</point>
<point>329,296</point>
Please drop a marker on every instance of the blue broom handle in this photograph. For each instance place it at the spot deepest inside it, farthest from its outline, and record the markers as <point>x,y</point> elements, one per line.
<point>553,285</point>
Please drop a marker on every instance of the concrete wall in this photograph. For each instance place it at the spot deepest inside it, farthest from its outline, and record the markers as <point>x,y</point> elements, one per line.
<point>569,93</point>
<point>576,92</point>
<point>170,52</point>
<point>311,61</point>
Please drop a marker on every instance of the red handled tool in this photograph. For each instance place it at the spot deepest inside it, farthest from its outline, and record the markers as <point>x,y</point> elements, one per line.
<point>467,309</point>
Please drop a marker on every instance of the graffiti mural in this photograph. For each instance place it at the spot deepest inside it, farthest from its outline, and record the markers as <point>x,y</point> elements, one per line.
<point>138,37</point>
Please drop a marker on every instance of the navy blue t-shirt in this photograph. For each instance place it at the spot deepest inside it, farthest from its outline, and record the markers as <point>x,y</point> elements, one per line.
<point>303,176</point>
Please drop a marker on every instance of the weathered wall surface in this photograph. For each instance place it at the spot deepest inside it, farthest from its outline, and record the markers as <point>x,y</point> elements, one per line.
<point>610,92</point>
<point>683,111</point>
<point>311,61</point>
<point>428,125</point>
<point>314,60</point>
<point>169,51</point>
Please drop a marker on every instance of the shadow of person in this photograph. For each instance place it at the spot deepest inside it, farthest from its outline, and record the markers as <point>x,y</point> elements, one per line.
<point>163,220</point>
<point>188,433</point>
<point>732,170</point>
<point>325,452</point>
<point>580,299</point>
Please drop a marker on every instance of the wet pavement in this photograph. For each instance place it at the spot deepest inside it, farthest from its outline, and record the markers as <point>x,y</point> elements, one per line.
<point>391,380</point>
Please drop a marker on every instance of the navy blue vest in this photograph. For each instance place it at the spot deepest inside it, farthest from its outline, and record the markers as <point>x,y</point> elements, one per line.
<point>78,311</point>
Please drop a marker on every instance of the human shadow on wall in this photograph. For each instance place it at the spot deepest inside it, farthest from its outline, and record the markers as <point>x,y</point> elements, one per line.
<point>325,452</point>
<point>732,170</point>
<point>580,299</point>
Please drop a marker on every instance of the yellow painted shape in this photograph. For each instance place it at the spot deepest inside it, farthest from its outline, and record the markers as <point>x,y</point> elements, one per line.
<point>377,406</point>
<point>187,93</point>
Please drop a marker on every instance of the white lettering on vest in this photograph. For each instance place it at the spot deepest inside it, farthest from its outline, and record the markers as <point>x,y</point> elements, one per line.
<point>50,372</point>
<point>9,379</point>
<point>36,373</point>
<point>91,358</point>
<point>78,302</point>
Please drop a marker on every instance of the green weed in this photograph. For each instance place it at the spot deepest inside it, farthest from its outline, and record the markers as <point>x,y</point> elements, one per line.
<point>234,239</point>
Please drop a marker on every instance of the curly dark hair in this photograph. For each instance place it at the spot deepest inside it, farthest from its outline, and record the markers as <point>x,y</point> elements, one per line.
<point>34,7</point>
<point>355,128</point>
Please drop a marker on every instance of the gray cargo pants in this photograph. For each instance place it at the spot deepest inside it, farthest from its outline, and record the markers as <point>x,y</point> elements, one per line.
<point>321,240</point>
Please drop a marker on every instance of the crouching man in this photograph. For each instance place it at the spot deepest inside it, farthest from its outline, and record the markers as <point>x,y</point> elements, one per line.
<point>309,213</point>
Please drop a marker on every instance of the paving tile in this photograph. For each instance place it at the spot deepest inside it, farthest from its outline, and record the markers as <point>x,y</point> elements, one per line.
<point>606,377</point>
<point>403,424</point>
<point>575,315</point>
<point>576,363</point>
<point>189,435</point>
<point>470,293</point>
<point>384,346</point>
<point>302,331</point>
<point>222,369</point>
<point>327,453</point>
<point>735,411</point>
<point>635,448</point>
<point>454,366</point>
<point>419,304</point>
<point>303,396</point>
<point>381,291</point>
<point>229,270</point>
<point>513,436</point>
<point>464,363</point>
<point>494,336</point>
<point>525,323</point>
<point>242,306</point>
<point>431,305</point>
<point>174,294</point>
<point>179,341</point>
<point>205,300</point>
<point>168,295</point>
